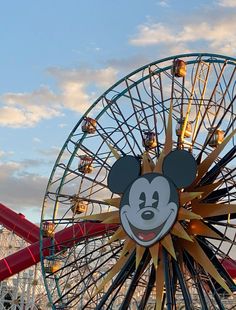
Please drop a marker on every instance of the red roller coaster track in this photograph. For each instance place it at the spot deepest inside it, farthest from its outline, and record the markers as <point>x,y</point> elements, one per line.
<point>65,238</point>
<point>17,223</point>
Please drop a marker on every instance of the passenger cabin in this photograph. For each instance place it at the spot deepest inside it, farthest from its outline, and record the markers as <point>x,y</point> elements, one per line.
<point>217,137</point>
<point>149,140</point>
<point>48,229</point>
<point>180,126</point>
<point>85,164</point>
<point>89,125</point>
<point>79,206</point>
<point>179,68</point>
<point>52,267</point>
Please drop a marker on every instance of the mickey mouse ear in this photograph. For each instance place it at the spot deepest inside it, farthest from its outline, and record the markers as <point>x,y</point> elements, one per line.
<point>124,171</point>
<point>181,167</point>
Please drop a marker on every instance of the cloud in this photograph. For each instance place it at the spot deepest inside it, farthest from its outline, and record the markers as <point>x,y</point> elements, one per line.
<point>62,125</point>
<point>80,87</point>
<point>209,33</point>
<point>163,4</point>
<point>21,190</point>
<point>36,140</point>
<point>51,152</point>
<point>227,3</point>
<point>6,154</point>
<point>27,109</point>
<point>77,90</point>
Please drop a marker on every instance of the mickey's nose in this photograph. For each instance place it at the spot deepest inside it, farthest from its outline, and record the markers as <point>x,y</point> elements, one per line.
<point>147,215</point>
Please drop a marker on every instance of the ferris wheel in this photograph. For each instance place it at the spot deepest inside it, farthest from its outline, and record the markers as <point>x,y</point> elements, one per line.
<point>140,206</point>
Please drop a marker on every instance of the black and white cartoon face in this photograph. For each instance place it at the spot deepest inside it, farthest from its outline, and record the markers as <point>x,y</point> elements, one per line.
<point>149,204</point>
<point>149,208</point>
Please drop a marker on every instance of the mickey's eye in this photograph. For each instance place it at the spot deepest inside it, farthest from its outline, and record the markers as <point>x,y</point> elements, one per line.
<point>142,200</point>
<point>155,199</point>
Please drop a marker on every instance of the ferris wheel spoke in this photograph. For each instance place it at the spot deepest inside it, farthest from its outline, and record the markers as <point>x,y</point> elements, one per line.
<point>148,289</point>
<point>222,117</point>
<point>116,112</point>
<point>183,285</point>
<point>138,111</point>
<point>135,279</point>
<point>87,287</point>
<point>196,279</point>
<point>87,255</point>
<point>154,102</point>
<point>160,88</point>
<point>78,284</point>
<point>214,172</point>
<point>223,224</point>
<point>144,105</point>
<point>205,114</point>
<point>107,138</point>
<point>122,276</point>
<point>129,128</point>
<point>209,252</point>
<point>204,80</point>
<point>86,177</point>
<point>99,158</point>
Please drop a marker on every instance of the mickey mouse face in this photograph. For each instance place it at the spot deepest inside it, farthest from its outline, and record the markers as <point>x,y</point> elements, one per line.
<point>149,205</point>
<point>149,208</point>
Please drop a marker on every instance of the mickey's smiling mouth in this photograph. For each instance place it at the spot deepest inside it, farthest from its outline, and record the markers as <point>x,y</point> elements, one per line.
<point>147,235</point>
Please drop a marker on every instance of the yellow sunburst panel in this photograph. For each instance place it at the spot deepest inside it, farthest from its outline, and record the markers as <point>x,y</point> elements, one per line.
<point>154,251</point>
<point>114,202</point>
<point>147,164</point>
<point>184,214</point>
<point>114,152</point>
<point>185,197</point>
<point>114,218</point>
<point>207,162</point>
<point>180,232</point>
<point>129,246</point>
<point>199,228</point>
<point>118,235</point>
<point>207,189</point>
<point>168,144</point>
<point>139,254</point>
<point>102,216</point>
<point>167,243</point>
<point>206,210</point>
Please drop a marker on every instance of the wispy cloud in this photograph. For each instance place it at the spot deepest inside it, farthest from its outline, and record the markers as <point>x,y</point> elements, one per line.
<point>51,152</point>
<point>21,190</point>
<point>80,87</point>
<point>212,34</point>
<point>227,3</point>
<point>36,140</point>
<point>163,4</point>
<point>27,109</point>
<point>76,91</point>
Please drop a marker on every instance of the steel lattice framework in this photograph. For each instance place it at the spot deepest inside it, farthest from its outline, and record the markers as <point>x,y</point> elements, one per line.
<point>195,112</point>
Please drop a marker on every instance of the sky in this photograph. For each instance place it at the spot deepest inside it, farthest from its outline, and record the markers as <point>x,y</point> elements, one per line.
<point>57,57</point>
